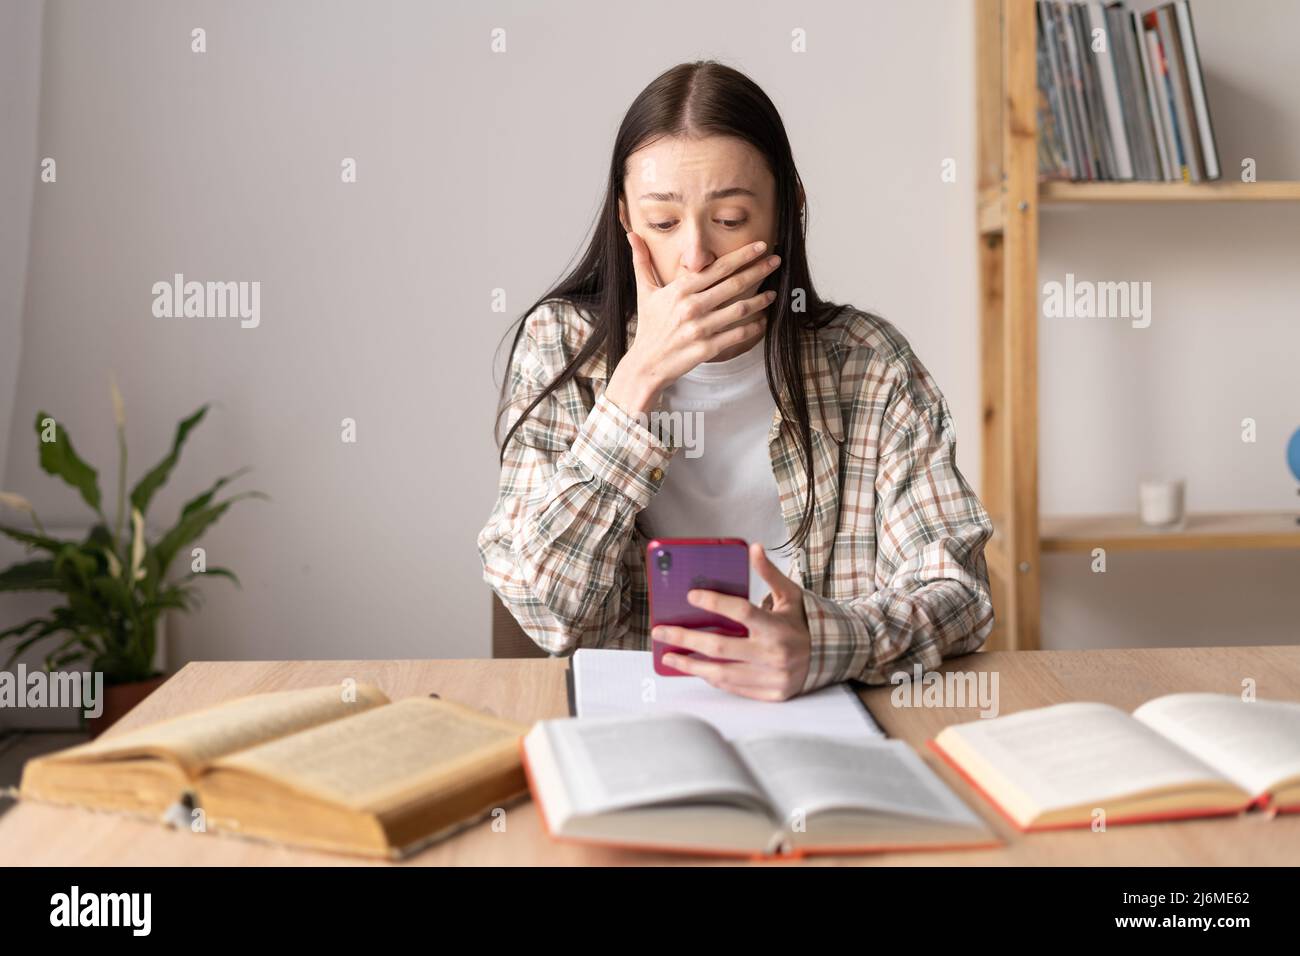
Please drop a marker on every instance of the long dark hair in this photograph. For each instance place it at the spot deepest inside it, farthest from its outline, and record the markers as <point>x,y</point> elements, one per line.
<point>698,99</point>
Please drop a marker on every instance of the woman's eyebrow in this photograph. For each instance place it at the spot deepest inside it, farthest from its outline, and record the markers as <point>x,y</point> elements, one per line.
<point>716,194</point>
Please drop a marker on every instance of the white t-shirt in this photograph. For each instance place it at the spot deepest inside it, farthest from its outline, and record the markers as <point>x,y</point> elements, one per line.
<point>720,483</point>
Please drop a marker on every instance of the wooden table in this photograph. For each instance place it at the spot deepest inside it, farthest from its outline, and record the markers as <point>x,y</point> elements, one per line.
<point>528,690</point>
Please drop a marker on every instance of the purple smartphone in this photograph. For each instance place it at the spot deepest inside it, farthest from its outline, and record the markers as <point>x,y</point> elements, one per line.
<point>676,565</point>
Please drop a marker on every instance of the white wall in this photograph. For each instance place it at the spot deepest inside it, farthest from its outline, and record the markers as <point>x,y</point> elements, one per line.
<point>20,70</point>
<point>480,171</point>
<point>476,171</point>
<point>20,49</point>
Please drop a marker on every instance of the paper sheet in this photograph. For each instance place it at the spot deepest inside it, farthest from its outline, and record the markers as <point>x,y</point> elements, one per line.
<point>610,682</point>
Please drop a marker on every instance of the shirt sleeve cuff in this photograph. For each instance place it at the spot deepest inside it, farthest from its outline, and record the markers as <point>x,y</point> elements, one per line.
<point>622,452</point>
<point>849,642</point>
<point>841,643</point>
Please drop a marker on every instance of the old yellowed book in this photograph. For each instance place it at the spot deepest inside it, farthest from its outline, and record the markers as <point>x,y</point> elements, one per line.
<point>361,775</point>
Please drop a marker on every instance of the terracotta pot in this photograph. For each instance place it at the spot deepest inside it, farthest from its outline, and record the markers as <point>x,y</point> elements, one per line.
<point>119,699</point>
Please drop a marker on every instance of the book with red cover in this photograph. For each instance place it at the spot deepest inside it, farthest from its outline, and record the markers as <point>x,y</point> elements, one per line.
<point>1176,757</point>
<point>674,784</point>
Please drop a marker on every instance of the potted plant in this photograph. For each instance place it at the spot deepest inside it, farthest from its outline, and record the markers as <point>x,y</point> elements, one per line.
<point>114,582</point>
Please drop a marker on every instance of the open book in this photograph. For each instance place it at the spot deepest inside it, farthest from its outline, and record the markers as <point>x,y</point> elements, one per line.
<point>672,782</point>
<point>363,775</point>
<point>1182,755</point>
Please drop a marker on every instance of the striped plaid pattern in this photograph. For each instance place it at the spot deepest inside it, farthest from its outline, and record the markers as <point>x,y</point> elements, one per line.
<point>893,568</point>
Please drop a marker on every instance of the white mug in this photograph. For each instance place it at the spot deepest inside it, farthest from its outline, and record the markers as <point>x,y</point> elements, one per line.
<point>1160,502</point>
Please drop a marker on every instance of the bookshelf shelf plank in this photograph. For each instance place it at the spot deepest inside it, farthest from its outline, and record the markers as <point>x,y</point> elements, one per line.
<point>1059,192</point>
<point>1241,530</point>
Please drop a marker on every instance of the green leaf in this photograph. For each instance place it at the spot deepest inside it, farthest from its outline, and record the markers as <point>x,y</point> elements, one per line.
<point>18,629</point>
<point>203,500</point>
<point>100,544</point>
<point>76,566</point>
<point>69,620</point>
<point>58,458</point>
<point>215,572</point>
<point>63,661</point>
<point>57,657</point>
<point>175,597</point>
<point>99,537</point>
<point>190,527</point>
<point>116,593</point>
<point>48,628</point>
<point>144,489</point>
<point>31,576</point>
<point>33,540</point>
<point>85,611</point>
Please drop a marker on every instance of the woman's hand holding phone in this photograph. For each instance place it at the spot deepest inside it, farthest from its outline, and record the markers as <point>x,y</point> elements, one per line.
<point>772,662</point>
<point>688,320</point>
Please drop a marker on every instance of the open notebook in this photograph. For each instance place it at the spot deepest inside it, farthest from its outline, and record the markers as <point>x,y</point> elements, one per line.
<point>605,683</point>
<point>672,782</point>
<point>1181,755</point>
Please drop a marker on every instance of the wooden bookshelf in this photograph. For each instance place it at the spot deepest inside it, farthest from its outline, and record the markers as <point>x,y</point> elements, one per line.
<point>1056,194</point>
<point>1243,530</point>
<point>1009,198</point>
<point>1052,193</point>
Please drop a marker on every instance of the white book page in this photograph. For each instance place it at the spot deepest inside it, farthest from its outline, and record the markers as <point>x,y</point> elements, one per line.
<point>609,682</point>
<point>1077,753</point>
<point>613,763</point>
<point>811,774</point>
<point>1255,744</point>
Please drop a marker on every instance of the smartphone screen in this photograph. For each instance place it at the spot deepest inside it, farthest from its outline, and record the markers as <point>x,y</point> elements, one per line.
<point>675,566</point>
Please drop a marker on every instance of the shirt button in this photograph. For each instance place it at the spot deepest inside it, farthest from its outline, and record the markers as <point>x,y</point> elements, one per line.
<point>656,473</point>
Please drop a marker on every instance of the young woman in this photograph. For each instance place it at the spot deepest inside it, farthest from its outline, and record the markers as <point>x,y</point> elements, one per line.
<point>824,441</point>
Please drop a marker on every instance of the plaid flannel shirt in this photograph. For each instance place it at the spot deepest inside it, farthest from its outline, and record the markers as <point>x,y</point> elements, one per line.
<point>893,569</point>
